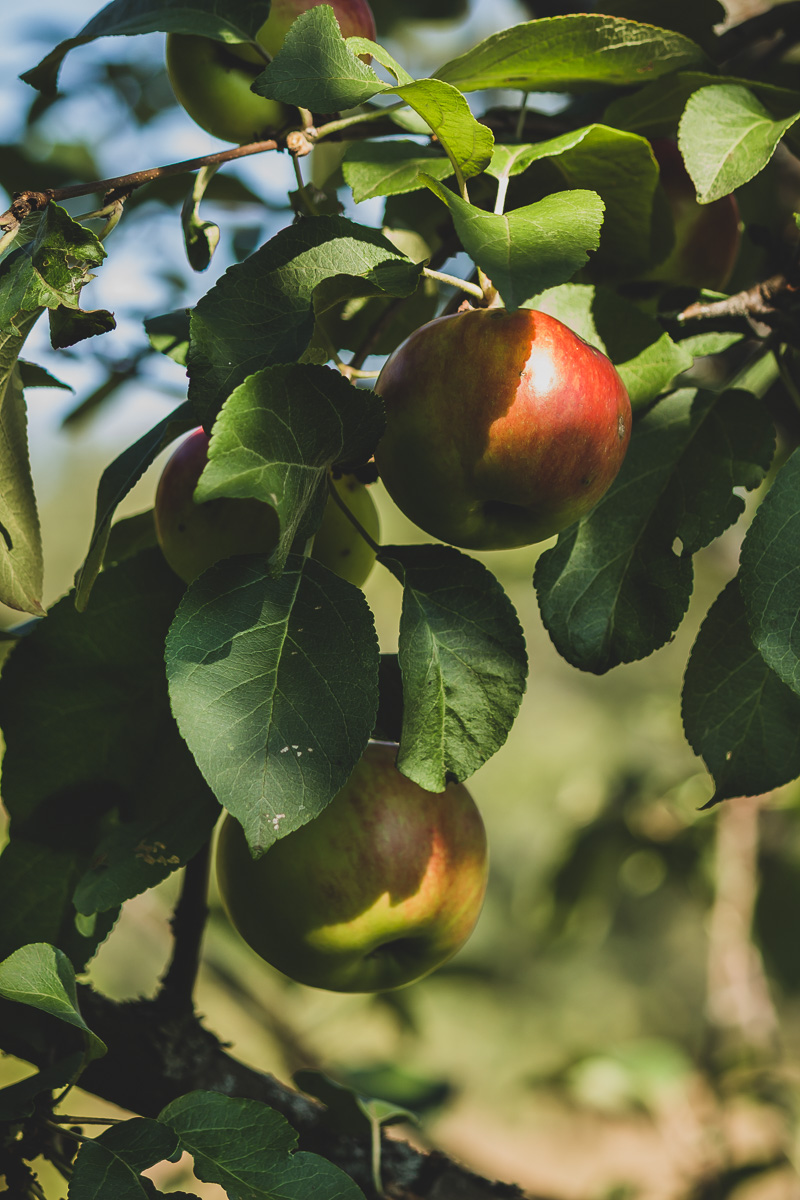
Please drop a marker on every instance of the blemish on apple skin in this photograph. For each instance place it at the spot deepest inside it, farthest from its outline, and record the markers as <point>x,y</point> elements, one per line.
<point>621,428</point>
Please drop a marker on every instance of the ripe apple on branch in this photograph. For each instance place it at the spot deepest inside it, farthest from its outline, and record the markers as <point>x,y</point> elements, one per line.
<point>376,892</point>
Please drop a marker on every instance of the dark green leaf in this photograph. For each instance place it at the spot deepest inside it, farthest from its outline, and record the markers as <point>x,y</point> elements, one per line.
<point>274,684</point>
<point>42,976</point>
<point>737,713</point>
<point>770,574</point>
<point>261,311</point>
<point>571,53</point>
<point>21,562</point>
<point>617,584</point>
<point>112,1164</point>
<point>463,661</point>
<point>115,483</point>
<point>277,436</point>
<point>530,248</point>
<point>249,1149</point>
<point>37,883</point>
<point>93,758</point>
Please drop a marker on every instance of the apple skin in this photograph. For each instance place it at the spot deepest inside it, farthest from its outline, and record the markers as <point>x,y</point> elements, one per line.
<point>212,79</point>
<point>501,428</point>
<point>376,892</point>
<point>192,536</point>
<point>707,236</point>
<point>340,547</point>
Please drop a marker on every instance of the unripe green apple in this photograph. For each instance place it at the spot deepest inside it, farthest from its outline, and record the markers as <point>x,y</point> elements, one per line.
<point>212,79</point>
<point>192,536</point>
<point>376,892</point>
<point>707,236</point>
<point>501,428</point>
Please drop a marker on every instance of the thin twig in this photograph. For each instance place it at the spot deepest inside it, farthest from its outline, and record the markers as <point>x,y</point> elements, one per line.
<point>27,202</point>
<point>759,302</point>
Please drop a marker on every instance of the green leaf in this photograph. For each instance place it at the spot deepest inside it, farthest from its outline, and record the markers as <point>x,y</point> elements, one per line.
<point>363,46</point>
<point>726,137</point>
<point>737,713</point>
<point>21,561</point>
<point>37,883</point>
<point>770,574</point>
<point>169,334</point>
<point>463,662</point>
<point>391,168</point>
<point>616,586</point>
<point>112,1163</point>
<point>316,69</point>
<point>348,1110</point>
<point>235,21</point>
<point>249,1150</point>
<point>277,436</point>
<point>274,684</point>
<point>42,976</point>
<point>49,272</point>
<point>656,109</point>
<point>572,53</point>
<point>530,248</point>
<point>645,356</point>
<point>261,312</point>
<point>619,167</point>
<point>467,142</point>
<point>115,483</point>
<point>34,376</point>
<point>92,751</point>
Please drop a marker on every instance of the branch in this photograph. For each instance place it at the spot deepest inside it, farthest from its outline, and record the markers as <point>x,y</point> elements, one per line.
<point>154,1056</point>
<point>28,202</point>
<point>188,924</point>
<point>763,302</point>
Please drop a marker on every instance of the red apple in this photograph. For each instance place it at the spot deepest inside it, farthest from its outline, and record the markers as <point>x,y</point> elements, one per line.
<point>707,236</point>
<point>376,892</point>
<point>212,79</point>
<point>192,536</point>
<point>502,428</point>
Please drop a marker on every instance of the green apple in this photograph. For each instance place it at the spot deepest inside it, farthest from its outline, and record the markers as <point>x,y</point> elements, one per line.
<point>501,428</point>
<point>707,236</point>
<point>212,79</point>
<point>376,892</point>
<point>337,544</point>
<point>192,536</point>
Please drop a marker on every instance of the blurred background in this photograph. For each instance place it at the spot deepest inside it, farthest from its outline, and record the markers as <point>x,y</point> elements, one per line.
<point>625,1021</point>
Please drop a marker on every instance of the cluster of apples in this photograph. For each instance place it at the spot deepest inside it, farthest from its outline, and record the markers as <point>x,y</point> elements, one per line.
<point>502,429</point>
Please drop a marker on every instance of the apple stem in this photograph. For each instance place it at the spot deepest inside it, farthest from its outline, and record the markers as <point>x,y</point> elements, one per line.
<point>471,289</point>
<point>502,188</point>
<point>375,1155</point>
<point>352,518</point>
<point>302,190</point>
<point>521,118</point>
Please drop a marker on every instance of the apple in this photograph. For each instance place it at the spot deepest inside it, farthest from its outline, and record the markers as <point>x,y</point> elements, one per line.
<point>212,79</point>
<point>192,536</point>
<point>501,428</point>
<point>379,890</point>
<point>707,236</point>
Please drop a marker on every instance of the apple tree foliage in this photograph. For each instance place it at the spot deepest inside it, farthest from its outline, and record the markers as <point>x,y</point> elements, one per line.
<point>135,709</point>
